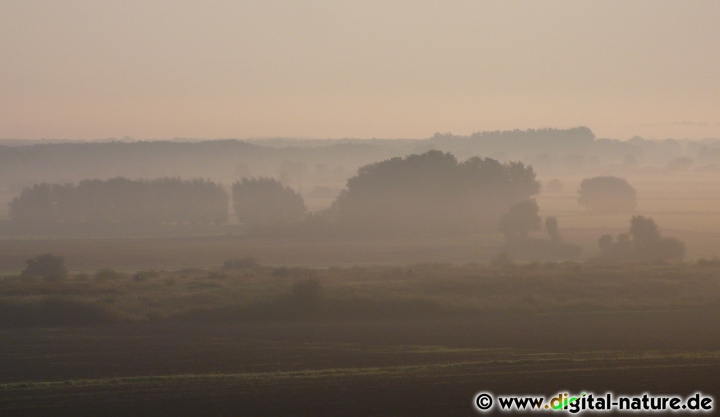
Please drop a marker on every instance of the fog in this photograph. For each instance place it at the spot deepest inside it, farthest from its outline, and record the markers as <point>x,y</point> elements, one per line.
<point>445,185</point>
<point>90,70</point>
<point>399,208</point>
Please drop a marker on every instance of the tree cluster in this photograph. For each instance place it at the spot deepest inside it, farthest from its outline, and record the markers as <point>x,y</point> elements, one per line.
<point>419,195</point>
<point>642,243</point>
<point>430,194</point>
<point>121,201</point>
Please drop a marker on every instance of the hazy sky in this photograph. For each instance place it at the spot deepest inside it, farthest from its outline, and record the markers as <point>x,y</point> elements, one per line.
<point>332,68</point>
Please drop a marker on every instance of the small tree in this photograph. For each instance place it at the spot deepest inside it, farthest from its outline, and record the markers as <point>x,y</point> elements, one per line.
<point>644,229</point>
<point>47,266</point>
<point>607,195</point>
<point>551,225</point>
<point>520,219</point>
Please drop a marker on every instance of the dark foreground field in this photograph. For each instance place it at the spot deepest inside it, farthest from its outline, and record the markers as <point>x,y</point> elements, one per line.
<point>352,368</point>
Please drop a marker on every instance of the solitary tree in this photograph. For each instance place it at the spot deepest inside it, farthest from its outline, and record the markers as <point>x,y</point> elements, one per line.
<point>520,219</point>
<point>607,195</point>
<point>551,225</point>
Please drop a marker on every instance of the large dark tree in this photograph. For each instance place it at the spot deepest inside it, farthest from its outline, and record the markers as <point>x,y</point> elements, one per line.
<point>266,202</point>
<point>430,194</point>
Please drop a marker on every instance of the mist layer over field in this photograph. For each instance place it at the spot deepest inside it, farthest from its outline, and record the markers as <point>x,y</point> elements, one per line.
<point>321,208</point>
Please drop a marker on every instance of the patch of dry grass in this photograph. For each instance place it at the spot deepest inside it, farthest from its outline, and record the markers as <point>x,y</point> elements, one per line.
<point>420,290</point>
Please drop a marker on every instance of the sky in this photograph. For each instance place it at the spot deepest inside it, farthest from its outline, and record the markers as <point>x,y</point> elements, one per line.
<point>81,69</point>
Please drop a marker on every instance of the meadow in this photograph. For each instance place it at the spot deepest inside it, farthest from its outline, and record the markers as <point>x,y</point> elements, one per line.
<point>403,367</point>
<point>253,292</point>
<point>149,325</point>
<point>244,338</point>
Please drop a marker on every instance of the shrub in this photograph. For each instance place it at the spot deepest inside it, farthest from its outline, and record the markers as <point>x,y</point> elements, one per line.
<point>47,266</point>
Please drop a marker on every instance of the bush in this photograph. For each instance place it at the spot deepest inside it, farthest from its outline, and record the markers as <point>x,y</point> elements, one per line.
<point>47,266</point>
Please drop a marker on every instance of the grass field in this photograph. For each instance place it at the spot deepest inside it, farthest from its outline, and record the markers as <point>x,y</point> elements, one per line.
<point>381,292</point>
<point>381,341</point>
<point>357,368</point>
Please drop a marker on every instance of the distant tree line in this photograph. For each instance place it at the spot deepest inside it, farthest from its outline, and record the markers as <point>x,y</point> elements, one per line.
<point>418,195</point>
<point>266,202</point>
<point>552,150</point>
<point>121,201</point>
